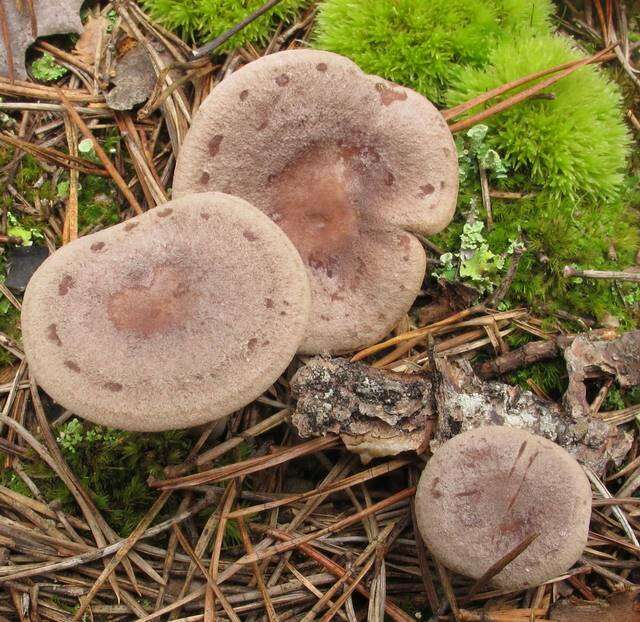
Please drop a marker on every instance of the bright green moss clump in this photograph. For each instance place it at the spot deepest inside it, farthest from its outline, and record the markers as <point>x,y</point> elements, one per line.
<point>423,44</point>
<point>202,20</point>
<point>573,145</point>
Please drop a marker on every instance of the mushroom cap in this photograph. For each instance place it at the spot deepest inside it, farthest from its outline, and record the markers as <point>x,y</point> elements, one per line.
<point>171,319</point>
<point>347,164</point>
<point>485,491</point>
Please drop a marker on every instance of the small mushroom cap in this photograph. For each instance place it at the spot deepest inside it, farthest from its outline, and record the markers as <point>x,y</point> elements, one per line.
<point>348,164</point>
<point>486,491</point>
<point>171,319</point>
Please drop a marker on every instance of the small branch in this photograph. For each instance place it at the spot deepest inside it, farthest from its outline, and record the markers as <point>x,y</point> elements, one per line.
<point>501,564</point>
<point>518,97</point>
<point>100,152</point>
<point>210,47</point>
<point>616,275</point>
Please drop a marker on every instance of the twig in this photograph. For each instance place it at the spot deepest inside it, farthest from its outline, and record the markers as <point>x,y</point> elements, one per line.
<point>210,47</point>
<point>570,271</point>
<point>100,152</point>
<point>525,94</point>
<point>501,564</point>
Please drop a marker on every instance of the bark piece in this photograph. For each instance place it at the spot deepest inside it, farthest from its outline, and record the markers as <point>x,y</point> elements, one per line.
<point>375,412</point>
<point>380,413</point>
<point>134,80</point>
<point>52,18</point>
<point>465,402</point>
<point>619,359</point>
<point>621,607</point>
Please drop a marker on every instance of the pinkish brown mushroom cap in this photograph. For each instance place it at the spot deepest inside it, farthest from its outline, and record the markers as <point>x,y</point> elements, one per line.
<point>486,491</point>
<point>349,166</point>
<point>171,319</point>
<point>52,18</point>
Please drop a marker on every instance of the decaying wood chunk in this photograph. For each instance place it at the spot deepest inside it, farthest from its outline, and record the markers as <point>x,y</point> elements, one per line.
<point>379,413</point>
<point>376,413</point>
<point>464,402</point>
<point>622,607</point>
<point>134,79</point>
<point>619,359</point>
<point>52,18</point>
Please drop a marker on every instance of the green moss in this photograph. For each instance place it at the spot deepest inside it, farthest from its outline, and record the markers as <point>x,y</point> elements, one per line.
<point>114,466</point>
<point>559,233</point>
<point>47,69</point>
<point>203,20</point>
<point>96,202</point>
<point>574,145</point>
<point>424,44</point>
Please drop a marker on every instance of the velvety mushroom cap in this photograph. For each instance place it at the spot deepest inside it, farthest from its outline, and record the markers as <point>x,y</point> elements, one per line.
<point>171,319</point>
<point>53,17</point>
<point>486,491</point>
<point>348,164</point>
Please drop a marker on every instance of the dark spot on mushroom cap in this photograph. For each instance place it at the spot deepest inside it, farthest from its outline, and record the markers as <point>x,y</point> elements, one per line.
<point>252,343</point>
<point>388,95</point>
<point>425,190</point>
<point>389,178</point>
<point>249,235</point>
<point>263,123</point>
<point>113,386</point>
<point>156,308</point>
<point>214,145</point>
<point>164,212</point>
<point>268,302</point>
<point>321,67</point>
<point>282,79</point>
<point>205,216</point>
<point>442,184</point>
<point>204,178</point>
<point>52,334</point>
<point>404,241</point>
<point>72,366</point>
<point>131,225</point>
<point>97,246</point>
<point>244,94</point>
<point>65,285</point>
<point>435,493</point>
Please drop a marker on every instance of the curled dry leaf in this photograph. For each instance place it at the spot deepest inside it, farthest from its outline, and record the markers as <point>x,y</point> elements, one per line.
<point>619,358</point>
<point>87,44</point>
<point>621,607</point>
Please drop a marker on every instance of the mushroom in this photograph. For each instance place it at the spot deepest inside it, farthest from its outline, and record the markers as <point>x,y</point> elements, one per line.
<point>171,319</point>
<point>348,164</point>
<point>488,490</point>
<point>51,18</point>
